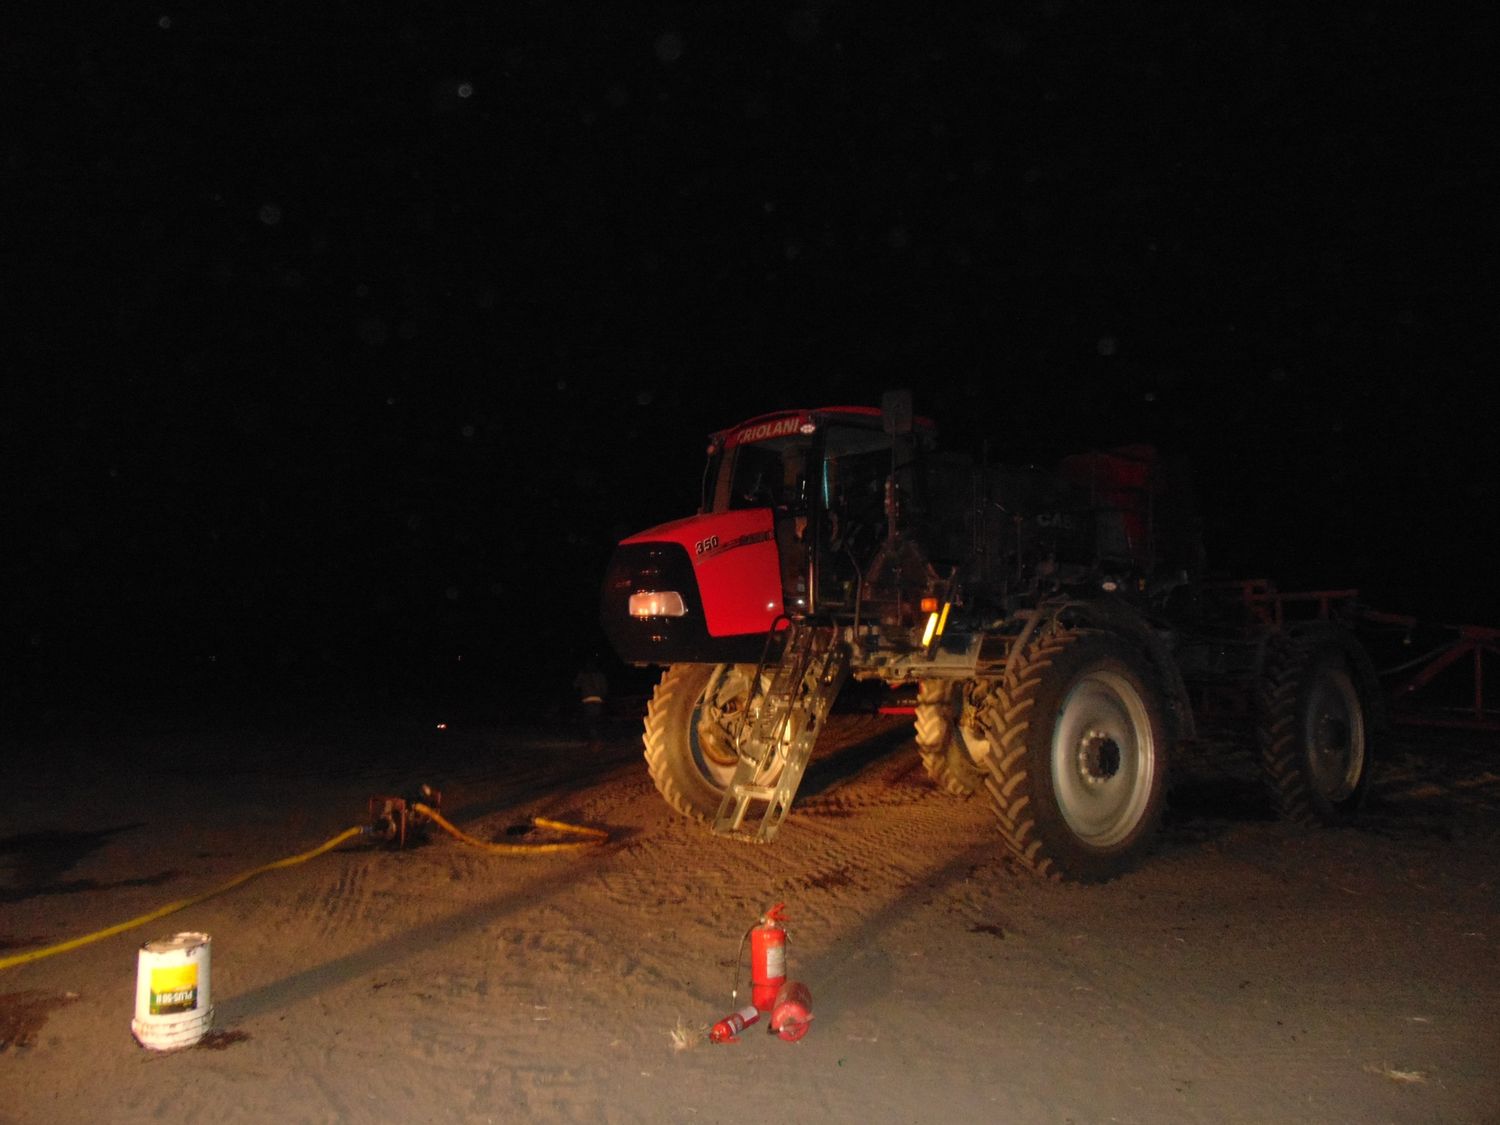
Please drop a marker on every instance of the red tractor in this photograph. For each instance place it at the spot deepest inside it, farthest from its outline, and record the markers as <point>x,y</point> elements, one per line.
<point>1057,628</point>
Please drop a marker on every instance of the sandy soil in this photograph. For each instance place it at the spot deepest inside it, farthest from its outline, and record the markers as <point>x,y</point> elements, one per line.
<point>1249,972</point>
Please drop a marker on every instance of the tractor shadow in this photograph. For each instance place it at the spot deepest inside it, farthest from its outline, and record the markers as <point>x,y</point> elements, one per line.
<point>1436,785</point>
<point>853,753</point>
<point>1203,808</point>
<point>37,861</point>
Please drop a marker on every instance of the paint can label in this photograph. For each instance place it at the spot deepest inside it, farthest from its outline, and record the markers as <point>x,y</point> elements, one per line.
<point>174,988</point>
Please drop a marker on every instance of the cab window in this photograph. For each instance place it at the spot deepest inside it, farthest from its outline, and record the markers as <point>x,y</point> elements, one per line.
<point>769,474</point>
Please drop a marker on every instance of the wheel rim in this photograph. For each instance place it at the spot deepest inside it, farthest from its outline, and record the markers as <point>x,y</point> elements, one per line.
<point>1103,759</point>
<point>975,744</point>
<point>713,723</point>
<point>1334,725</point>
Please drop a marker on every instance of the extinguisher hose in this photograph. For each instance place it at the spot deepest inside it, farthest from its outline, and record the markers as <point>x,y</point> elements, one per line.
<point>739,958</point>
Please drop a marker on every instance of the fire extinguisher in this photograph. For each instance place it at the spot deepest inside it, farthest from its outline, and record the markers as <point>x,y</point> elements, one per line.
<point>728,1029</point>
<point>793,1011</point>
<point>767,958</point>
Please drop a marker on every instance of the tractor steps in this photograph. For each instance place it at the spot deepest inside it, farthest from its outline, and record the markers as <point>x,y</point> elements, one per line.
<point>778,731</point>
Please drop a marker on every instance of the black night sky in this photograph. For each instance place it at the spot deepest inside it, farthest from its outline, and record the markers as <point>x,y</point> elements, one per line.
<point>350,337</point>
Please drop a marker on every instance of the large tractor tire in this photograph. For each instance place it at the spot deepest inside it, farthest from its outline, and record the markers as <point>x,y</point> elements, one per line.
<point>942,741</point>
<point>1077,760</point>
<point>690,724</point>
<point>1317,717</point>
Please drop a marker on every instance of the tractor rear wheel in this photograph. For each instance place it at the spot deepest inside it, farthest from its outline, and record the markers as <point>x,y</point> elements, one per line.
<point>689,734</point>
<point>942,741</point>
<point>1077,761</point>
<point>1315,723</point>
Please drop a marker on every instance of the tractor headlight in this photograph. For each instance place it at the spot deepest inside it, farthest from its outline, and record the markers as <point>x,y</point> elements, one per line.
<point>657,603</point>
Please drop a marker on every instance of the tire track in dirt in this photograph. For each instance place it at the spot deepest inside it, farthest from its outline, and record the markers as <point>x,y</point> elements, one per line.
<point>344,904</point>
<point>889,780</point>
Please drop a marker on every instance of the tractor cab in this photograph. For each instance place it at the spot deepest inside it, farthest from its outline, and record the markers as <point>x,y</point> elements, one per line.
<point>823,475</point>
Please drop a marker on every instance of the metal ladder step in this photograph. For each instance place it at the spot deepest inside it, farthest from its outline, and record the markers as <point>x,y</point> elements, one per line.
<point>783,733</point>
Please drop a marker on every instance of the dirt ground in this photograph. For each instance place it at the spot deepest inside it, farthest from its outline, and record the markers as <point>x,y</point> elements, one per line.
<point>1249,972</point>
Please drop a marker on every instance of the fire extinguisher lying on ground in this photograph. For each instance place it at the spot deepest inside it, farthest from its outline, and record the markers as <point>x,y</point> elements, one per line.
<point>792,1011</point>
<point>789,1003</point>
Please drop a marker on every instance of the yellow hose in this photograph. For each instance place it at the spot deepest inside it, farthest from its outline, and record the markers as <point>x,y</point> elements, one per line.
<point>173,907</point>
<point>593,837</point>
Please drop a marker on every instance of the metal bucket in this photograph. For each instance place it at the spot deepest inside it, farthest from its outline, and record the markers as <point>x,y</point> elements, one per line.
<point>173,996</point>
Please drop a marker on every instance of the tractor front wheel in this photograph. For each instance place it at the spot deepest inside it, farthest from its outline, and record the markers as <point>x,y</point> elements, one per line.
<point>691,722</point>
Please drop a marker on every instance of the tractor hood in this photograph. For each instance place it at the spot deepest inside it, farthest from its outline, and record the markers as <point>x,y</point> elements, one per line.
<point>702,589</point>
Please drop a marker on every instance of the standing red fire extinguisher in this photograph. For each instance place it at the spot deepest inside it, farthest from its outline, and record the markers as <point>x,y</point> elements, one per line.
<point>767,958</point>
